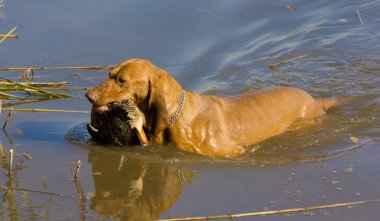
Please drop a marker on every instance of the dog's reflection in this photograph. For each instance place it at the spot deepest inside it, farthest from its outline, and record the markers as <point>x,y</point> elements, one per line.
<point>131,189</point>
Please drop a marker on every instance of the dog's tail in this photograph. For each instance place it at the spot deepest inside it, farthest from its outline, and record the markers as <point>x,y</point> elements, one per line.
<point>327,103</point>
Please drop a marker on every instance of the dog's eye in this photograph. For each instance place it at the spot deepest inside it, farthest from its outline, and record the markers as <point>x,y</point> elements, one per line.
<point>121,81</point>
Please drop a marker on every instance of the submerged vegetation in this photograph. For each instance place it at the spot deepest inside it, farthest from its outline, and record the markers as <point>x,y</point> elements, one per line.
<point>14,93</point>
<point>22,91</point>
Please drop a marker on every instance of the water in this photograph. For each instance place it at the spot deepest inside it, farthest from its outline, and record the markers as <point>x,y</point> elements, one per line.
<point>215,47</point>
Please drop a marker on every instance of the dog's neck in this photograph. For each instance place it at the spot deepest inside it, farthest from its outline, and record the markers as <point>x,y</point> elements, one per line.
<point>181,102</point>
<point>174,95</point>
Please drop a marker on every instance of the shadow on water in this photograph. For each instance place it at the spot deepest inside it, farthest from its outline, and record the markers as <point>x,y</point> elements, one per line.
<point>132,189</point>
<point>125,187</point>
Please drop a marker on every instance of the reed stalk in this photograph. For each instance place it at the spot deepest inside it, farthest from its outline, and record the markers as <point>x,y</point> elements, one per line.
<point>2,150</point>
<point>27,156</point>
<point>8,34</point>
<point>34,84</point>
<point>10,113</point>
<point>25,74</point>
<point>11,152</point>
<point>273,212</point>
<point>9,138</point>
<point>41,192</point>
<point>47,110</point>
<point>26,86</point>
<point>95,68</point>
<point>77,170</point>
<point>10,95</point>
<point>72,88</point>
<point>273,66</point>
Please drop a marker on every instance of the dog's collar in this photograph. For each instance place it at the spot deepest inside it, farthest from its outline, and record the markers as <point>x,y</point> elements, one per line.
<point>181,102</point>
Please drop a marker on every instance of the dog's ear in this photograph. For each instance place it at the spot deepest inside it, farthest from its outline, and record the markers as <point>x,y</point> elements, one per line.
<point>158,108</point>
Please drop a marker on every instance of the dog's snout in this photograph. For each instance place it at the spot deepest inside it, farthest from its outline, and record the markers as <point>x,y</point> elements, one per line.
<point>91,96</point>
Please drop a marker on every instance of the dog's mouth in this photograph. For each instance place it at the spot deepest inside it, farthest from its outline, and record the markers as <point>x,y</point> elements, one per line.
<point>105,108</point>
<point>102,108</point>
<point>133,117</point>
<point>112,105</point>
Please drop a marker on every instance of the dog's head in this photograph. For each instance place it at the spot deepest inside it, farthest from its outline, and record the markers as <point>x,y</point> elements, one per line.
<point>141,83</point>
<point>127,81</point>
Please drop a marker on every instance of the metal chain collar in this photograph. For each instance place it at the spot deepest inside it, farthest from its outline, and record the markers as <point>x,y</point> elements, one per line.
<point>174,116</point>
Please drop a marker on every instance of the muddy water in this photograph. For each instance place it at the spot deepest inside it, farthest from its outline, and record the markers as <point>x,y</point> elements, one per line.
<point>215,47</point>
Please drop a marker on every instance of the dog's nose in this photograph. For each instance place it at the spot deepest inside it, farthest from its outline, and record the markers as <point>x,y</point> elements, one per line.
<point>91,96</point>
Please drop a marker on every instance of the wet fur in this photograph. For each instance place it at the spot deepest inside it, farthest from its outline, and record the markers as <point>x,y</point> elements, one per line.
<point>207,125</point>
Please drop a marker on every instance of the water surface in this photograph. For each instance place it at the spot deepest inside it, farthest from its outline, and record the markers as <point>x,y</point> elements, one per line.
<point>216,47</point>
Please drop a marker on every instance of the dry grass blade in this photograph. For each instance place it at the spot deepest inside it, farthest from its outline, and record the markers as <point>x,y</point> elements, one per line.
<point>39,191</point>
<point>273,66</point>
<point>26,86</point>
<point>47,110</point>
<point>9,138</point>
<point>35,84</point>
<point>11,152</point>
<point>8,34</point>
<point>2,150</point>
<point>273,212</point>
<point>95,68</point>
<point>28,101</point>
<point>25,74</point>
<point>77,170</point>
<point>10,95</point>
<point>27,156</point>
<point>73,88</point>
<point>11,111</point>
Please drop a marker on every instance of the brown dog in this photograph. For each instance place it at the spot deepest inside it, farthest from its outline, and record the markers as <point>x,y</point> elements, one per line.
<point>198,123</point>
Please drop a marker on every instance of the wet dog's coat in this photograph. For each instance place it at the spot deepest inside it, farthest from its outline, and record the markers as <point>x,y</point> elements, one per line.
<point>200,123</point>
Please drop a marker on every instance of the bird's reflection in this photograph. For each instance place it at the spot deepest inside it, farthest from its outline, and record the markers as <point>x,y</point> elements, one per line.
<point>131,189</point>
